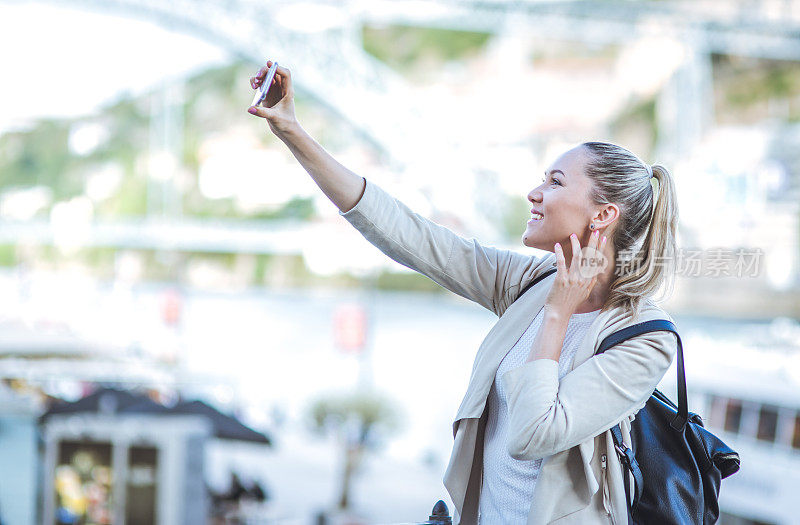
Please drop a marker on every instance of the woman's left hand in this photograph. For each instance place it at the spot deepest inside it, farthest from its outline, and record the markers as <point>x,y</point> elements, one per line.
<point>573,285</point>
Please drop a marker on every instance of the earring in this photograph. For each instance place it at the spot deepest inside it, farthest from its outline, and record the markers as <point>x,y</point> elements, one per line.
<point>591,226</point>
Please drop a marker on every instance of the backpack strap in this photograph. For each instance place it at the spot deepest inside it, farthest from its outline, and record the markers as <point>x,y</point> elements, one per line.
<point>653,326</point>
<point>539,278</point>
<point>631,466</point>
<point>625,454</point>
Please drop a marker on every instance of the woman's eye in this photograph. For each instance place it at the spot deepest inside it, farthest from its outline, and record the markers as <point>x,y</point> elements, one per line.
<point>555,181</point>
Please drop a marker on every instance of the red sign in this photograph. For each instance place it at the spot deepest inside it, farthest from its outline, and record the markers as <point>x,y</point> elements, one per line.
<point>350,328</point>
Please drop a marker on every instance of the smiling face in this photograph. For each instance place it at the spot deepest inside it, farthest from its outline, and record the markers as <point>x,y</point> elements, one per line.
<point>564,202</point>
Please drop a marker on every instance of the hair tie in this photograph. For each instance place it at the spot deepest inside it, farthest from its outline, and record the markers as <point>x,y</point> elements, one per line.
<point>655,186</point>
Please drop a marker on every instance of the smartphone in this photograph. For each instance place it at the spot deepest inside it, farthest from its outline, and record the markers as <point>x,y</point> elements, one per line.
<point>261,91</point>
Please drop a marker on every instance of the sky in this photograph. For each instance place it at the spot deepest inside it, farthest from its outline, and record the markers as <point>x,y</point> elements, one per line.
<point>64,62</point>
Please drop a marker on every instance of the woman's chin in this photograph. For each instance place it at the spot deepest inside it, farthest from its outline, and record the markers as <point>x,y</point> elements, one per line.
<point>532,240</point>
<point>529,240</point>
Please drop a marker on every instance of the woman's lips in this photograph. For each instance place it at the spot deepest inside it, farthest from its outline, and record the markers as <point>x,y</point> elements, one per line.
<point>534,219</point>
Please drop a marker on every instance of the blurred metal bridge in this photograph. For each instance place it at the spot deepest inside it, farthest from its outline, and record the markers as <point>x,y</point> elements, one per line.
<point>330,64</point>
<point>182,235</point>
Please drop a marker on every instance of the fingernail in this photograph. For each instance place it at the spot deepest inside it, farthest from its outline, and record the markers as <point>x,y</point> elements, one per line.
<point>558,244</point>
<point>252,110</point>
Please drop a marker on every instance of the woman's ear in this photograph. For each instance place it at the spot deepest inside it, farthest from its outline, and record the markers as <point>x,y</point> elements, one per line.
<point>605,216</point>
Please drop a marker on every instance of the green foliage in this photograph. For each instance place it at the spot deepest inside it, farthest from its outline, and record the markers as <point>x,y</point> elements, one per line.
<point>8,255</point>
<point>406,281</point>
<point>262,264</point>
<point>101,259</point>
<point>128,136</point>
<point>213,102</point>
<point>360,419</point>
<point>40,157</point>
<point>773,81</point>
<point>100,255</point>
<point>402,46</point>
<point>746,88</point>
<point>300,208</point>
<point>639,115</point>
<point>516,213</point>
<point>368,410</point>
<point>129,201</point>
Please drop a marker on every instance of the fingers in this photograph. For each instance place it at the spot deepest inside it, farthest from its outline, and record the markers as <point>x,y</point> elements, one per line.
<point>256,80</point>
<point>576,252</point>
<point>561,263</point>
<point>260,111</point>
<point>282,78</point>
<point>282,85</point>
<point>594,239</point>
<point>283,72</point>
<point>285,80</point>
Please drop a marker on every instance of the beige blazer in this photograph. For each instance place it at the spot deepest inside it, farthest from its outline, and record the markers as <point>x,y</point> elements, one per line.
<point>565,422</point>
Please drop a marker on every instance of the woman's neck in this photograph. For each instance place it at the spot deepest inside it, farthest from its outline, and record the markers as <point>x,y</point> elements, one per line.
<point>599,294</point>
<point>585,308</point>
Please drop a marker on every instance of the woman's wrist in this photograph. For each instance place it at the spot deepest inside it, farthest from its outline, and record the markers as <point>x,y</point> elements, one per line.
<point>289,131</point>
<point>550,338</point>
<point>555,314</point>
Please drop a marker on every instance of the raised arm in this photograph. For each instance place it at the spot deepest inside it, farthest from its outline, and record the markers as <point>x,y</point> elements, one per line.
<point>343,187</point>
<point>483,274</point>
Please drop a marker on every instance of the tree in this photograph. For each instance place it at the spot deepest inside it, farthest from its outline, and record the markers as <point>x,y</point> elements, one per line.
<point>359,420</point>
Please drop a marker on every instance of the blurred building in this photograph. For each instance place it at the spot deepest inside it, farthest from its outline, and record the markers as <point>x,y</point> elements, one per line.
<point>112,457</point>
<point>19,457</point>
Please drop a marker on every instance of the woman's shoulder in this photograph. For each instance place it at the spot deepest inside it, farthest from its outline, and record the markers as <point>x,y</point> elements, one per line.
<point>655,311</point>
<point>536,269</point>
<point>648,310</point>
<point>619,318</point>
<point>666,340</point>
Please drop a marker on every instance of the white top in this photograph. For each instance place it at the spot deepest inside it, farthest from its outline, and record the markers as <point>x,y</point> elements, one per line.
<point>508,483</point>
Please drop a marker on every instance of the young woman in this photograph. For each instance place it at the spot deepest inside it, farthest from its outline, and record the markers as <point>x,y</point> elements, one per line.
<point>539,406</point>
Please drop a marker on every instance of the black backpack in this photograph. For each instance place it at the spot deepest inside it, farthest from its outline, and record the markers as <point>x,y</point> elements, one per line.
<point>677,465</point>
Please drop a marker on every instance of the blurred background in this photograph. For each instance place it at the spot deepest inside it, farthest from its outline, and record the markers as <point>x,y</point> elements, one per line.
<point>189,332</point>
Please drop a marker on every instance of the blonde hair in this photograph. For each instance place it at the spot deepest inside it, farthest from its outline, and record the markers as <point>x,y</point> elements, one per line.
<point>644,239</point>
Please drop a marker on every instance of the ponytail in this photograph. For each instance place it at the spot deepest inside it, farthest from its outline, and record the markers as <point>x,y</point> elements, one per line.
<point>645,241</point>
